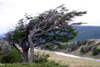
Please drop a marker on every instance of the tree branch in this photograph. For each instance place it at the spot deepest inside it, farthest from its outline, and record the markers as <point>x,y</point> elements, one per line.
<point>17,49</point>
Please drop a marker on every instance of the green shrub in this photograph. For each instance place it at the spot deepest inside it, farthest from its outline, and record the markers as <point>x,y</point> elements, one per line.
<point>5,49</point>
<point>84,42</point>
<point>89,48</point>
<point>43,64</point>
<point>40,57</point>
<point>74,48</point>
<point>90,42</point>
<point>50,47</point>
<point>10,56</point>
<point>96,51</point>
<point>59,46</point>
<point>85,49</point>
<point>94,48</point>
<point>79,43</point>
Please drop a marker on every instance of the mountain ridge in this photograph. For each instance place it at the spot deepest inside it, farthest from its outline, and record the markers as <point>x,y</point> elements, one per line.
<point>87,32</point>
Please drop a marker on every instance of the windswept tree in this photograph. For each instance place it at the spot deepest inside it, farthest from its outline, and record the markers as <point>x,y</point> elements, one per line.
<point>53,26</point>
<point>19,36</point>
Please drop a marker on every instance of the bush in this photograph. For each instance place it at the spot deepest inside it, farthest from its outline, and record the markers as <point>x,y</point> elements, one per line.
<point>59,46</point>
<point>40,57</point>
<point>85,42</point>
<point>43,64</point>
<point>96,51</point>
<point>79,43</point>
<point>50,47</point>
<point>85,49</point>
<point>90,42</point>
<point>5,49</point>
<point>74,48</point>
<point>11,55</point>
<point>94,48</point>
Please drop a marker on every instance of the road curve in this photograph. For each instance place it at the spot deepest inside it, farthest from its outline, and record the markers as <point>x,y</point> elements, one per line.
<point>70,55</point>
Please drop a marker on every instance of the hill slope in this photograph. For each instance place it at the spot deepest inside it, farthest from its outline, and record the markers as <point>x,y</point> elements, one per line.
<point>72,62</point>
<point>87,32</point>
<point>85,48</point>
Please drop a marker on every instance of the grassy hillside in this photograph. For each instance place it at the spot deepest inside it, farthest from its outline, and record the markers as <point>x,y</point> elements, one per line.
<point>87,32</point>
<point>85,48</point>
<point>63,60</point>
<point>72,48</point>
<point>72,62</point>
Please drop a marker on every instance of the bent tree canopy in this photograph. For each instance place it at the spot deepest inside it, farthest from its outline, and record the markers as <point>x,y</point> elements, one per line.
<point>55,25</point>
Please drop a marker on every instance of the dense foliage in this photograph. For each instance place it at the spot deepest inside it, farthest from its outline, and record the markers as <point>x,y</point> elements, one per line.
<point>10,55</point>
<point>85,49</point>
<point>96,51</point>
<point>52,47</point>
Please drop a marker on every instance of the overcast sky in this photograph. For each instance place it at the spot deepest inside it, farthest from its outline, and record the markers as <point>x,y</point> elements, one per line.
<point>13,10</point>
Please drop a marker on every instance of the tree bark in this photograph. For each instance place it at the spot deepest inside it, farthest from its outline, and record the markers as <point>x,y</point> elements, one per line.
<point>31,59</point>
<point>25,56</point>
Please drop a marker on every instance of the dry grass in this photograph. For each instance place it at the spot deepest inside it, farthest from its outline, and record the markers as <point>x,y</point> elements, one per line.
<point>88,54</point>
<point>1,64</point>
<point>73,62</point>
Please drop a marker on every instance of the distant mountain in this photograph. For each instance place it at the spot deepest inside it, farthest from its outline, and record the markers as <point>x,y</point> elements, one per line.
<point>87,32</point>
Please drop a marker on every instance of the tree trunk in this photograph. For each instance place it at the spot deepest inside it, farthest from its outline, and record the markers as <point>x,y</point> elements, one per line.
<point>25,56</point>
<point>31,59</point>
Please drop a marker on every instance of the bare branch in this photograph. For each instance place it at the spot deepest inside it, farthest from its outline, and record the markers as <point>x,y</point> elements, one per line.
<point>17,49</point>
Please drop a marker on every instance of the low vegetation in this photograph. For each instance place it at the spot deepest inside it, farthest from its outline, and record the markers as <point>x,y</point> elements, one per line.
<point>96,51</point>
<point>44,59</point>
<point>73,62</point>
<point>43,64</point>
<point>10,57</point>
<point>40,57</point>
<point>86,48</point>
